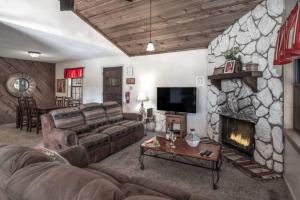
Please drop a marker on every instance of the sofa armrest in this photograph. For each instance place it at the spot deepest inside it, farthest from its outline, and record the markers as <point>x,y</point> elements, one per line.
<point>132,116</point>
<point>65,137</point>
<point>76,155</point>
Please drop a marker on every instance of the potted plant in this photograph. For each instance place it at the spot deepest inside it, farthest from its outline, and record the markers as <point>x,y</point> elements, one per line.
<point>232,55</point>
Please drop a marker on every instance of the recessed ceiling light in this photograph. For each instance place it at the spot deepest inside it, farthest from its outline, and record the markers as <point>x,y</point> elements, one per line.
<point>34,54</point>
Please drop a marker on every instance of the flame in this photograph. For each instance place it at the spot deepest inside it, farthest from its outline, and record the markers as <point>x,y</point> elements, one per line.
<point>239,139</point>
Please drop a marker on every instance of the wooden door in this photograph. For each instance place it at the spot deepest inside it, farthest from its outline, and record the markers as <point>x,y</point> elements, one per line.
<point>112,84</point>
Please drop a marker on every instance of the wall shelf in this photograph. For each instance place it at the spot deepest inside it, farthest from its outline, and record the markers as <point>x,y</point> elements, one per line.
<point>250,78</point>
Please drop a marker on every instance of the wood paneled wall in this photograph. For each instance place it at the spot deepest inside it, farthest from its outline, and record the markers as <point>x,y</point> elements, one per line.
<point>43,74</point>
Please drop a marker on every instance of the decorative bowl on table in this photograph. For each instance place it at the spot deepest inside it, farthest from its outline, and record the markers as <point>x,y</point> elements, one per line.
<point>192,139</point>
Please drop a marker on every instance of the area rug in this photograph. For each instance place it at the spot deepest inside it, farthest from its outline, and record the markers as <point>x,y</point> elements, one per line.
<point>233,185</point>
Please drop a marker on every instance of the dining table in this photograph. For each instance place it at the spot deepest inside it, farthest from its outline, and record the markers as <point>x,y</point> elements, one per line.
<point>41,108</point>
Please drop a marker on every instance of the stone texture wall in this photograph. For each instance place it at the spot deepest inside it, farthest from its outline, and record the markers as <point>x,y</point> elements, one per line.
<point>255,34</point>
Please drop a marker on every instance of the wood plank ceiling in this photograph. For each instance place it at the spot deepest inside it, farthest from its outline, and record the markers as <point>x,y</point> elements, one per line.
<point>177,25</point>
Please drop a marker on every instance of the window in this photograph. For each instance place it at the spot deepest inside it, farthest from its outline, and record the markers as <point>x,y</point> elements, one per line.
<point>297,96</point>
<point>76,88</point>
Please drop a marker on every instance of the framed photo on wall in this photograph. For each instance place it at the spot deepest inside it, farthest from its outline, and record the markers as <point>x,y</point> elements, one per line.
<point>61,85</point>
<point>129,71</point>
<point>229,66</point>
<point>130,81</point>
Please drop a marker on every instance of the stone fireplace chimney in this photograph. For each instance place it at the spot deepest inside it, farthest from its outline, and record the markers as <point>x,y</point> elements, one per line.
<point>255,34</point>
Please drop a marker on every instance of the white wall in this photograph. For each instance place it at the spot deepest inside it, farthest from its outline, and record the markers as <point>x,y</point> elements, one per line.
<point>171,69</point>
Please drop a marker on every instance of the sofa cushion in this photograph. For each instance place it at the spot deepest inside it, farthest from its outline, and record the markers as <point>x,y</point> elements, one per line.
<point>13,158</point>
<point>48,181</point>
<point>67,117</point>
<point>94,114</point>
<point>130,124</point>
<point>130,189</point>
<point>146,197</point>
<point>165,189</point>
<point>79,129</point>
<point>100,128</point>
<point>121,178</point>
<point>113,111</point>
<point>115,132</point>
<point>92,141</point>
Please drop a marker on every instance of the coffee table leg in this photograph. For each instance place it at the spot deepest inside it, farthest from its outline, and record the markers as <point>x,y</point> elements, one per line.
<point>141,158</point>
<point>215,172</point>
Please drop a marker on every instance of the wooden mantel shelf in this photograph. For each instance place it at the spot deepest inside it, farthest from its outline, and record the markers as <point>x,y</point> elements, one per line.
<point>250,78</point>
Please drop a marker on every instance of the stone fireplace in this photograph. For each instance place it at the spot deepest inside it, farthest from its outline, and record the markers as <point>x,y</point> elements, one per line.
<point>238,134</point>
<point>255,34</point>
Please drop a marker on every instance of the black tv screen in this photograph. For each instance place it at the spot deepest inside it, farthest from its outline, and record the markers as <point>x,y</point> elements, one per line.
<point>177,99</point>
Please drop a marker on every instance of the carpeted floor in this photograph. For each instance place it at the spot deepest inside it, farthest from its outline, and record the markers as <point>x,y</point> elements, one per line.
<point>233,185</point>
<point>10,135</point>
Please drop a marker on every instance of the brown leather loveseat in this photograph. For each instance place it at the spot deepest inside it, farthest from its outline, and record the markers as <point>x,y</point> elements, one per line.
<point>102,129</point>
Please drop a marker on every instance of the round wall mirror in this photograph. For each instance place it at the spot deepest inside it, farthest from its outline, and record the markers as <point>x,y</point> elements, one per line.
<point>20,84</point>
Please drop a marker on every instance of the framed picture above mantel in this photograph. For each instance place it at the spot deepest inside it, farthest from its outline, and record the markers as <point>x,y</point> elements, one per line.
<point>229,66</point>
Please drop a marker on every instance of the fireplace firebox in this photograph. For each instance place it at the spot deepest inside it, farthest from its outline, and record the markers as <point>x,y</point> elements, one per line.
<point>238,134</point>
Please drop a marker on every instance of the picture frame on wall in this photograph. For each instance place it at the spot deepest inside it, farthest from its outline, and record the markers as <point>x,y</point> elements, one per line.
<point>130,81</point>
<point>229,66</point>
<point>129,71</point>
<point>60,85</point>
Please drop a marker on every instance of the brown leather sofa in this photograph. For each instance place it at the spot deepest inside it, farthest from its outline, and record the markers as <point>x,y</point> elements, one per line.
<point>102,129</point>
<point>29,174</point>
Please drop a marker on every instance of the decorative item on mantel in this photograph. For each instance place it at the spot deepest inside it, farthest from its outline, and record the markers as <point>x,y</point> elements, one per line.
<point>219,70</point>
<point>232,57</point>
<point>251,67</point>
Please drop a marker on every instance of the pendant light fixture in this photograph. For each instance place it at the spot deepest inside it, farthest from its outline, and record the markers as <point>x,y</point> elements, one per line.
<point>150,46</point>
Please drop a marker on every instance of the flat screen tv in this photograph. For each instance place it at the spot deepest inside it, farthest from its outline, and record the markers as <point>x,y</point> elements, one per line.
<point>177,99</point>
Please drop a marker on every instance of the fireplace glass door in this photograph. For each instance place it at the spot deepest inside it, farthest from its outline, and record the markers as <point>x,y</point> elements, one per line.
<point>238,134</point>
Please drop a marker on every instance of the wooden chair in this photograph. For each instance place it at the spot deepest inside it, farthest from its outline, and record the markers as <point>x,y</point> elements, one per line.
<point>76,102</point>
<point>23,113</point>
<point>68,101</point>
<point>59,101</point>
<point>33,116</point>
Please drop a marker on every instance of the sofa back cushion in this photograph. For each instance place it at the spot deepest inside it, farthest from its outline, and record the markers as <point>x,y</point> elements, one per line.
<point>94,114</point>
<point>13,158</point>
<point>67,118</point>
<point>113,111</point>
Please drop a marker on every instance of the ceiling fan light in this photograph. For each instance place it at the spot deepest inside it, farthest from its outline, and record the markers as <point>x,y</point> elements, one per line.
<point>150,47</point>
<point>34,54</point>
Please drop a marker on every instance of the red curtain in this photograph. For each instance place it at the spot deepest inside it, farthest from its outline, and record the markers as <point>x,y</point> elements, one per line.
<point>74,72</point>
<point>294,40</point>
<point>282,56</point>
<point>288,41</point>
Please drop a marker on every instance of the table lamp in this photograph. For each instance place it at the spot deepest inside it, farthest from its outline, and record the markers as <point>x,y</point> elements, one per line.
<point>142,97</point>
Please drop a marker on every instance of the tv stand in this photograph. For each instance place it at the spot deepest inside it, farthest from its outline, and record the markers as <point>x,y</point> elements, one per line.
<point>177,118</point>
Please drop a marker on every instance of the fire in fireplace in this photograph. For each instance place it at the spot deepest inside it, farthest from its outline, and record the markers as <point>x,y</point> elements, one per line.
<point>238,134</point>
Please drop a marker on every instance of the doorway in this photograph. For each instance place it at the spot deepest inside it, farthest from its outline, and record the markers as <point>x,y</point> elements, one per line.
<point>112,84</point>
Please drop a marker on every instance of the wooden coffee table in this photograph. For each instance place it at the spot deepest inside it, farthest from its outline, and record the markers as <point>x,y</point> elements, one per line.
<point>185,154</point>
